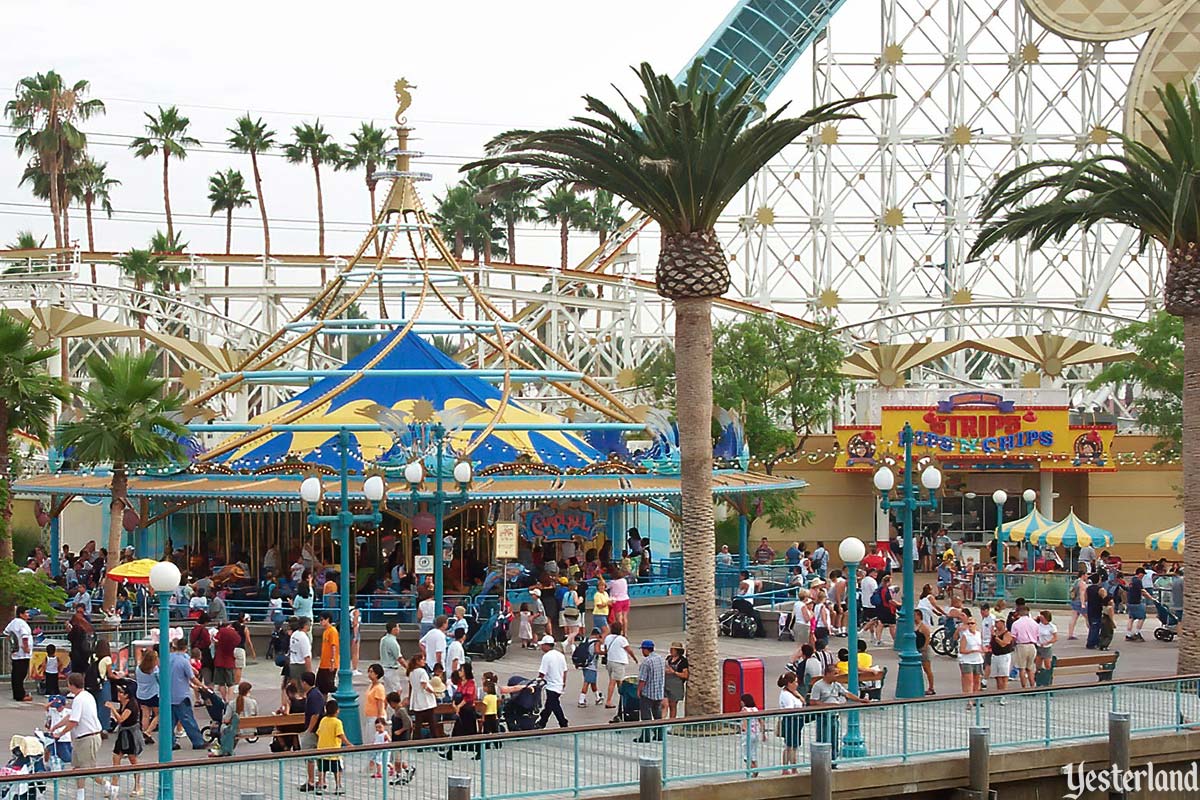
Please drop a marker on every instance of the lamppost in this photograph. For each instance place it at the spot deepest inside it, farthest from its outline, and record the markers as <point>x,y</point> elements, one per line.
<point>414,473</point>
<point>1029,496</point>
<point>910,682</point>
<point>852,551</point>
<point>1000,497</point>
<point>164,580</point>
<point>311,492</point>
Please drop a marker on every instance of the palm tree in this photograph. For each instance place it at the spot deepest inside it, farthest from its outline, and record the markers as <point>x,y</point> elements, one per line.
<point>461,218</point>
<point>166,134</point>
<point>162,243</point>
<point>312,144</point>
<point>368,150</point>
<point>606,215</point>
<point>28,396</point>
<point>45,111</point>
<point>90,183</point>
<point>128,421</point>
<point>566,208</point>
<point>681,159</point>
<point>39,186</point>
<point>26,240</point>
<point>143,267</point>
<point>254,137</point>
<point>227,192</point>
<point>1151,187</point>
<point>512,204</point>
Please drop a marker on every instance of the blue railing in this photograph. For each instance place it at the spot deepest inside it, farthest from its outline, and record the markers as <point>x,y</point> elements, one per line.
<point>575,761</point>
<point>1035,587</point>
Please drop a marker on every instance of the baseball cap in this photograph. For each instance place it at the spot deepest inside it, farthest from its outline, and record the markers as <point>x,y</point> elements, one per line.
<point>595,630</point>
<point>547,639</point>
<point>647,644</point>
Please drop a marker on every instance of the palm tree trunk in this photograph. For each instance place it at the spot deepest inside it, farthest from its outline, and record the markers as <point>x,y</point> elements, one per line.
<point>693,387</point>
<point>5,489</point>
<point>512,240</point>
<point>563,233</point>
<point>119,489</point>
<point>167,197</point>
<point>603,236</point>
<point>1189,632</point>
<point>87,207</point>
<point>228,238</point>
<point>66,215</point>
<point>320,216</point>
<point>262,208</point>
<point>460,244</point>
<point>54,210</point>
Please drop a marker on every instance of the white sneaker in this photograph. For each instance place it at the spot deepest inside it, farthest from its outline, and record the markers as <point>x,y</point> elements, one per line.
<point>357,673</point>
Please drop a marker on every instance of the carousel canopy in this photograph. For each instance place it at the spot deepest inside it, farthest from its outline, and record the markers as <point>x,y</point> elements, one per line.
<point>1025,528</point>
<point>1170,539</point>
<point>354,398</point>
<point>1072,532</point>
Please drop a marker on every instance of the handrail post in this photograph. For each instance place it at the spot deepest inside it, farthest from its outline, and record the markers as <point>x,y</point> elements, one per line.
<point>649,778</point>
<point>980,752</point>
<point>458,788</point>
<point>821,771</point>
<point>1118,745</point>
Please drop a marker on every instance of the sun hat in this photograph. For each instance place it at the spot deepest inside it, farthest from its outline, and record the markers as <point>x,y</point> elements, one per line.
<point>677,646</point>
<point>436,685</point>
<point>547,639</point>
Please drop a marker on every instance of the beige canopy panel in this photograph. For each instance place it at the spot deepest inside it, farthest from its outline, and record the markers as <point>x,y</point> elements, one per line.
<point>887,363</point>
<point>57,323</point>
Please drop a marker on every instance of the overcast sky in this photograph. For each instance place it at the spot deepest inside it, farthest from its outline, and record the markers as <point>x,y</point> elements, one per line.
<point>480,67</point>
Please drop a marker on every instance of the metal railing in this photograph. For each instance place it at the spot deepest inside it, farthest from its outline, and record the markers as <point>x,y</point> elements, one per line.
<point>1035,587</point>
<point>574,761</point>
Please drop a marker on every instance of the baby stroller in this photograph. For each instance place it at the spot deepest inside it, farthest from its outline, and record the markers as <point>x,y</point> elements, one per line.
<point>1169,619</point>
<point>521,708</point>
<point>488,639</point>
<point>28,759</point>
<point>741,621</point>
<point>216,711</point>
<point>786,621</point>
<point>629,706</point>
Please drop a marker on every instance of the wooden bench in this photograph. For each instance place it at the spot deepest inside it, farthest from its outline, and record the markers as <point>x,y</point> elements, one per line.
<point>266,724</point>
<point>1102,664</point>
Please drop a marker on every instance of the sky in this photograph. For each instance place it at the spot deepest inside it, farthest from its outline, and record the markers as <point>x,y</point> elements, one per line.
<point>479,67</point>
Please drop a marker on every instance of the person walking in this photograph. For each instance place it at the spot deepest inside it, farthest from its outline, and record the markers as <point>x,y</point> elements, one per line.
<point>83,726</point>
<point>553,670</point>
<point>601,604</point>
<point>146,678</point>
<point>82,637</point>
<point>1002,647</point>
<point>22,652</point>
<point>299,650</point>
<point>422,698</point>
<point>651,678</point>
<point>1135,606</point>
<point>792,725</point>
<point>390,658</point>
<point>970,656</point>
<point>314,709</point>
<point>327,672</point>
<point>1078,595</point>
<point>677,674</point>
<point>1025,634</point>
<point>615,654</point>
<point>820,560</point>
<point>128,745</point>
<point>433,642</point>
<point>1094,599</point>
<point>183,681</point>
<point>224,662</point>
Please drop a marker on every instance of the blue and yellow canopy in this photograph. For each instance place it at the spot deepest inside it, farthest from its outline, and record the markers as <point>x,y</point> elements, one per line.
<point>1073,532</point>
<point>353,398</point>
<point>1170,539</point>
<point>1024,528</point>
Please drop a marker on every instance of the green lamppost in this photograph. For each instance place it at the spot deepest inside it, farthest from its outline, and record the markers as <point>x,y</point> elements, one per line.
<point>910,682</point>
<point>1000,497</point>
<point>439,498</point>
<point>1029,496</point>
<point>852,551</point>
<point>164,580</point>
<point>312,492</point>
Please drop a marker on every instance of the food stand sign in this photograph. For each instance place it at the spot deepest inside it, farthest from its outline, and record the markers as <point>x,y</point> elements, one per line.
<point>506,541</point>
<point>555,523</point>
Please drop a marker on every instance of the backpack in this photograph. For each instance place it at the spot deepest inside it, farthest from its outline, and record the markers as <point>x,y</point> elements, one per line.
<point>582,654</point>
<point>877,598</point>
<point>279,646</point>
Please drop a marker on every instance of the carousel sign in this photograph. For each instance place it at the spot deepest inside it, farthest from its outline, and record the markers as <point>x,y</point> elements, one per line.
<point>555,523</point>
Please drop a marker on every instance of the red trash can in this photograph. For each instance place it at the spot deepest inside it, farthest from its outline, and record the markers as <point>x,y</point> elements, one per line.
<point>742,676</point>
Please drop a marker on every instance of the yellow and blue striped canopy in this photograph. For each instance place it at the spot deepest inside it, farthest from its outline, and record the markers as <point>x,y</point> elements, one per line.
<point>1073,532</point>
<point>1021,529</point>
<point>1170,539</point>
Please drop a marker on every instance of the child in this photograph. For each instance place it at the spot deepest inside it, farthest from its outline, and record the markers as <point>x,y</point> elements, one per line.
<point>491,704</point>
<point>331,735</point>
<point>379,759</point>
<point>50,670</point>
<point>401,731</point>
<point>525,627</point>
<point>60,751</point>
<point>275,607</point>
<point>1047,636</point>
<point>439,672</point>
<point>754,731</point>
<point>589,671</point>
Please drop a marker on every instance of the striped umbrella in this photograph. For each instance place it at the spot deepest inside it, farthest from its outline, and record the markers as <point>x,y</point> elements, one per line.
<point>1024,528</point>
<point>1170,539</point>
<point>1072,532</point>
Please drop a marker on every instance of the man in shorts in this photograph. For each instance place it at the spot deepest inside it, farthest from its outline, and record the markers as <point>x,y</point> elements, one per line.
<point>314,709</point>
<point>84,726</point>
<point>224,661</point>
<point>616,654</point>
<point>1025,634</point>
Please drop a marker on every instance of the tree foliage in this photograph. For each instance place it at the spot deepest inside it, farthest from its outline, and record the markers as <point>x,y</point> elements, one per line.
<point>1153,380</point>
<point>29,590</point>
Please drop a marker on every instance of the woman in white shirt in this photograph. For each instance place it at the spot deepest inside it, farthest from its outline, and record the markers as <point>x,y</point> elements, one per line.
<point>426,614</point>
<point>928,608</point>
<point>970,655</point>
<point>791,724</point>
<point>422,699</point>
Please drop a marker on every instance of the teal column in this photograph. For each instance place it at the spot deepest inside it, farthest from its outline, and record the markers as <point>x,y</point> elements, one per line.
<point>347,698</point>
<point>743,541</point>
<point>55,547</point>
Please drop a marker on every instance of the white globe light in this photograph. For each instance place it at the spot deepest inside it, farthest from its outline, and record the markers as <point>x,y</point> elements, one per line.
<point>414,473</point>
<point>884,480</point>
<point>164,577</point>
<point>462,472</point>
<point>311,490</point>
<point>931,478</point>
<point>1030,495</point>
<point>999,497</point>
<point>373,488</point>
<point>852,550</point>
